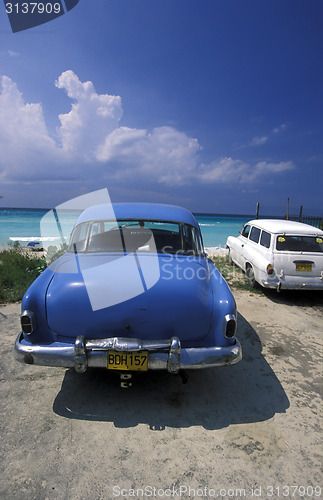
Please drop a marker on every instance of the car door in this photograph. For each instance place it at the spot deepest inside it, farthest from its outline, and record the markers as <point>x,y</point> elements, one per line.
<point>252,251</point>
<point>242,245</point>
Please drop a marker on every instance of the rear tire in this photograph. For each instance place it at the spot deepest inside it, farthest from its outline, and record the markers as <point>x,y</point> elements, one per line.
<point>250,275</point>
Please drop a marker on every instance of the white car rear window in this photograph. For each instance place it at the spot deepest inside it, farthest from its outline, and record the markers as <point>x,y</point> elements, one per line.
<point>299,243</point>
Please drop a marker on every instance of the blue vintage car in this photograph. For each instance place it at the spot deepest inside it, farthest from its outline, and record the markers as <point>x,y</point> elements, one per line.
<point>133,292</point>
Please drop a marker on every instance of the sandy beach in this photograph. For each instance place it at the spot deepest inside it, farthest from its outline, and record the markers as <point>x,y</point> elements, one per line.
<point>238,430</point>
<point>213,251</point>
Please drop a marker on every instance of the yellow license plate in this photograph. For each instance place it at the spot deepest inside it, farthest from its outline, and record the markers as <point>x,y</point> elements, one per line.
<point>303,266</point>
<point>132,360</point>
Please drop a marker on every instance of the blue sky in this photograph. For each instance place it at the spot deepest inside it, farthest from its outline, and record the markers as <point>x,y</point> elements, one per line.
<point>210,104</point>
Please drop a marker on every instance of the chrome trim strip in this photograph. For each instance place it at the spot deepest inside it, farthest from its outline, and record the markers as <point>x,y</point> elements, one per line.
<point>169,357</point>
<point>292,286</point>
<point>127,344</point>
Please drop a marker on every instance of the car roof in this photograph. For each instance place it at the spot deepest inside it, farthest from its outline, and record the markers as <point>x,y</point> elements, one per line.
<point>285,226</point>
<point>146,211</point>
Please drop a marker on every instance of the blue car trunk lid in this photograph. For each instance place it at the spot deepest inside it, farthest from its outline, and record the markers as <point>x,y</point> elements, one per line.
<point>85,297</point>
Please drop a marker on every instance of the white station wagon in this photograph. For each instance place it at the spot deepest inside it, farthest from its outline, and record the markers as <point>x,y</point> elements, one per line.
<point>279,254</point>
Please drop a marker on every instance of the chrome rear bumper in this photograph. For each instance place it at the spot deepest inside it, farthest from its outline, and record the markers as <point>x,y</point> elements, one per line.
<point>282,285</point>
<point>162,354</point>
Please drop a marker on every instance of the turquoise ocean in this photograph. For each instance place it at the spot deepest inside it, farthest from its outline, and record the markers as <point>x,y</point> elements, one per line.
<point>23,225</point>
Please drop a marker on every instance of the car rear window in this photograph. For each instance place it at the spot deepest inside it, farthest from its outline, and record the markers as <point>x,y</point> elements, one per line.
<point>254,234</point>
<point>265,239</point>
<point>299,243</point>
<point>136,236</point>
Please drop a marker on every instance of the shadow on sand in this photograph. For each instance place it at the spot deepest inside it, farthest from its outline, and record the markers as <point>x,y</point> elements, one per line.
<point>216,398</point>
<point>300,298</point>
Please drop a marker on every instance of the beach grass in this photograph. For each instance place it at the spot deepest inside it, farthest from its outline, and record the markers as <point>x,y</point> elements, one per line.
<point>18,269</point>
<point>232,274</point>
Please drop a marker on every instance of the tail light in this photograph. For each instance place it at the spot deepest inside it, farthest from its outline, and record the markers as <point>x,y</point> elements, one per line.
<point>230,326</point>
<point>28,322</point>
<point>270,269</point>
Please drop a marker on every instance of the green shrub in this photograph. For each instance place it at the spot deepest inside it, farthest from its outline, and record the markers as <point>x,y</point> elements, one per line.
<point>232,274</point>
<point>17,272</point>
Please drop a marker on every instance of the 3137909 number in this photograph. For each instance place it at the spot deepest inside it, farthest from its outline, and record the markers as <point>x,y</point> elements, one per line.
<point>33,8</point>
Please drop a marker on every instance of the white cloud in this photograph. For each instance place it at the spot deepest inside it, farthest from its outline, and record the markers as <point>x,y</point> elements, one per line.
<point>228,170</point>
<point>268,168</point>
<point>91,141</point>
<point>224,170</point>
<point>164,153</point>
<point>23,132</point>
<point>91,118</point>
<point>13,53</point>
<point>279,129</point>
<point>122,143</point>
<point>258,141</point>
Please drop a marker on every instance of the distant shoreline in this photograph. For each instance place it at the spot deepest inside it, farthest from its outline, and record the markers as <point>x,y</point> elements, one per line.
<point>23,225</point>
<point>199,214</point>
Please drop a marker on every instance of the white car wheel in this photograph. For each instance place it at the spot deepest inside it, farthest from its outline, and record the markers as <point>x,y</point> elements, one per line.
<point>250,276</point>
